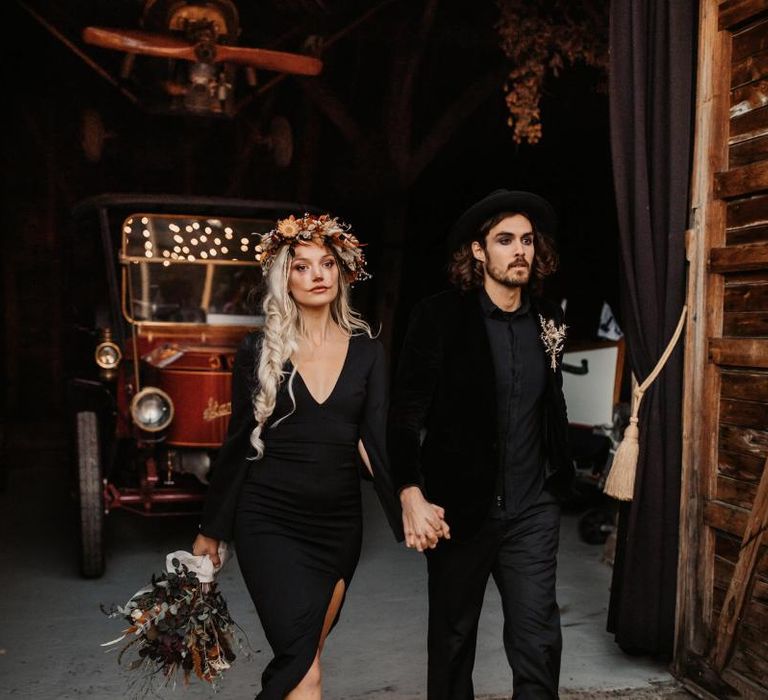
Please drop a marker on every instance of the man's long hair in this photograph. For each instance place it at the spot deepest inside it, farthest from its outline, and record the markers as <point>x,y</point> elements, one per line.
<point>466,272</point>
<point>282,328</point>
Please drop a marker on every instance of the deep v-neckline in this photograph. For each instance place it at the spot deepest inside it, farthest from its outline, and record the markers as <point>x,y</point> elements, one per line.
<point>335,384</point>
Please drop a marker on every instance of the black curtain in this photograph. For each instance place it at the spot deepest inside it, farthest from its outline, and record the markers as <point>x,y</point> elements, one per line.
<point>651,80</point>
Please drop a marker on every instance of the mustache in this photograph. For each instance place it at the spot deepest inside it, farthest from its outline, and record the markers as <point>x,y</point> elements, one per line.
<point>521,262</point>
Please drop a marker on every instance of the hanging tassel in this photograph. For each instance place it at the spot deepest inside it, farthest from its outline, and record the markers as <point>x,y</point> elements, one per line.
<point>620,483</point>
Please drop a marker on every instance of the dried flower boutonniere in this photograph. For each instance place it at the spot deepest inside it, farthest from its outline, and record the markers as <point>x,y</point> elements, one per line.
<point>553,338</point>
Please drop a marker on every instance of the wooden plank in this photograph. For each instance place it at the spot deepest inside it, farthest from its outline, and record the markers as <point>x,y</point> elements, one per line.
<point>728,547</point>
<point>747,234</point>
<point>747,212</point>
<point>739,352</point>
<point>748,126</point>
<point>745,324</point>
<point>748,97</point>
<point>749,151</point>
<point>745,385</point>
<point>741,687</point>
<point>737,465</point>
<point>733,13</point>
<point>748,179</point>
<point>746,294</point>
<point>750,69</point>
<point>735,492</point>
<point>754,640</point>
<point>750,665</point>
<point>744,440</point>
<point>739,258</point>
<point>745,414</point>
<point>742,576</point>
<point>760,592</point>
<point>704,293</point>
<point>751,40</point>
<point>727,518</point>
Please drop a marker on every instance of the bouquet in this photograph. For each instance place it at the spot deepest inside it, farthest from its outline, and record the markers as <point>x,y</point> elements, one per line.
<point>179,625</point>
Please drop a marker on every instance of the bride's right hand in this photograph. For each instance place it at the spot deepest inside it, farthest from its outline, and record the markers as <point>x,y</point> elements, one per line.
<point>207,545</point>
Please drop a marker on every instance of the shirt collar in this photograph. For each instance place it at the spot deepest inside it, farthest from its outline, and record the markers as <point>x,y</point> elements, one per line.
<point>492,311</point>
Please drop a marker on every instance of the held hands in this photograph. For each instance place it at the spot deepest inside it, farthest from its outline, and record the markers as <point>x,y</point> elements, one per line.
<point>207,545</point>
<point>423,522</point>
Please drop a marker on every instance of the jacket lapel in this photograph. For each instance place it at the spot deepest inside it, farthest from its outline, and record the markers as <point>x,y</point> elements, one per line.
<point>473,334</point>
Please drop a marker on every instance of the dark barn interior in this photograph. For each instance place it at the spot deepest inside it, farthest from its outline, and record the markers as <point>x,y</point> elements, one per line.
<point>401,131</point>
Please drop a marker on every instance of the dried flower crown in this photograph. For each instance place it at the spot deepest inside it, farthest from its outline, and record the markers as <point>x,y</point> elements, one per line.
<point>323,229</point>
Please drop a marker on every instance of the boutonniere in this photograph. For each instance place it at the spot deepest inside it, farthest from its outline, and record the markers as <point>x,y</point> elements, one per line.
<point>553,338</point>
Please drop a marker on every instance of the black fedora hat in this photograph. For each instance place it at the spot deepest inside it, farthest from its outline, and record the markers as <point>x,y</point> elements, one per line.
<point>531,205</point>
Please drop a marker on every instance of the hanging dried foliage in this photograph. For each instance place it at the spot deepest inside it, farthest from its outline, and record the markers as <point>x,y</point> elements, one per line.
<point>540,37</point>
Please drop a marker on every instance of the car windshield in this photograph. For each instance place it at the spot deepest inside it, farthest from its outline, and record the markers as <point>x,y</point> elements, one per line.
<point>185,269</point>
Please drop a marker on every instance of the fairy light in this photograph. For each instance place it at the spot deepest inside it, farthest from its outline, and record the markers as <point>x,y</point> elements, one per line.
<point>203,254</point>
<point>208,229</point>
<point>184,249</point>
<point>224,250</point>
<point>195,225</point>
<point>178,238</point>
<point>212,252</point>
<point>126,229</point>
<point>174,228</point>
<point>188,228</point>
<point>148,245</point>
<point>145,233</point>
<point>166,263</point>
<point>166,254</point>
<point>193,241</point>
<point>148,253</point>
<point>217,241</point>
<point>203,238</point>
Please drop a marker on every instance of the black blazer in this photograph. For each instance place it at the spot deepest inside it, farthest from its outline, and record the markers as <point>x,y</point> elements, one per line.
<point>233,460</point>
<point>445,386</point>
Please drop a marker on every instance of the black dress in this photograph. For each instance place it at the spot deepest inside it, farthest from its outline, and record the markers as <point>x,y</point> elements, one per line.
<point>295,514</point>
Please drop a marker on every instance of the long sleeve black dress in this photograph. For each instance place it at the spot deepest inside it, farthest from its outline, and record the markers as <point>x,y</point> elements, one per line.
<point>295,514</point>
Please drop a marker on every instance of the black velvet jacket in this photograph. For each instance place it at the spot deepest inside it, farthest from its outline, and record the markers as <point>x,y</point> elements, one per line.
<point>232,462</point>
<point>445,386</point>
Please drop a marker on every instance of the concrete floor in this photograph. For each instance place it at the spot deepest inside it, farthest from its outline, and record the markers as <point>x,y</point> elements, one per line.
<point>52,626</point>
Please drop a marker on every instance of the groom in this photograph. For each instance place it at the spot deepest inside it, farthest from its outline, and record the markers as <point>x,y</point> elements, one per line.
<point>478,440</point>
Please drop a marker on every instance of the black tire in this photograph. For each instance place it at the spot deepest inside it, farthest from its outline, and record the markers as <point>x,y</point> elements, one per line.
<point>91,493</point>
<point>595,525</point>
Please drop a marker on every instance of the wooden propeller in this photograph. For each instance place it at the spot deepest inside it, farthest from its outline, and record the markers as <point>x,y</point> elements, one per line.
<point>166,46</point>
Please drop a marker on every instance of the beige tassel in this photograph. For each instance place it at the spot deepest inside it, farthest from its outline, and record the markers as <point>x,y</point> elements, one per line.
<point>620,483</point>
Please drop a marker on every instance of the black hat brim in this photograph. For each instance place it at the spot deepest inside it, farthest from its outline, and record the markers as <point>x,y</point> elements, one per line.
<point>533,206</point>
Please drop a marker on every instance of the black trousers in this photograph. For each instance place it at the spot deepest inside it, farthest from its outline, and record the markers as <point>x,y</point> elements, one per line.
<point>521,554</point>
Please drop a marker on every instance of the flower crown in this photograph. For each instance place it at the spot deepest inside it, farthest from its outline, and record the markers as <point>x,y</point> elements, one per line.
<point>324,229</point>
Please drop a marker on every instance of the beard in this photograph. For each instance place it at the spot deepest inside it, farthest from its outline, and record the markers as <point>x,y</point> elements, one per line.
<point>514,275</point>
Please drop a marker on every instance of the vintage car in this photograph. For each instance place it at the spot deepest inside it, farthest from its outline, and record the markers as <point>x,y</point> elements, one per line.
<point>159,293</point>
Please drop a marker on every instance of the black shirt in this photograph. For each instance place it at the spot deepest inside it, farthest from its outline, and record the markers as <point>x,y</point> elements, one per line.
<point>520,370</point>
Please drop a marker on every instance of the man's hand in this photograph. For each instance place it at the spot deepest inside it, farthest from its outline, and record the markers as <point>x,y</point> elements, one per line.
<point>423,522</point>
<point>209,546</point>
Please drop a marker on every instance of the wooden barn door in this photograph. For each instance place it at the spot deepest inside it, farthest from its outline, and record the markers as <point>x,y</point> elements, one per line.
<point>722,619</point>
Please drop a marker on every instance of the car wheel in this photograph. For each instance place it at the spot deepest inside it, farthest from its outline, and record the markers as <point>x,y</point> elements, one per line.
<point>595,525</point>
<point>91,492</point>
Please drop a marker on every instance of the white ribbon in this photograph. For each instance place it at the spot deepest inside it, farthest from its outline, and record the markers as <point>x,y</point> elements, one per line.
<point>201,564</point>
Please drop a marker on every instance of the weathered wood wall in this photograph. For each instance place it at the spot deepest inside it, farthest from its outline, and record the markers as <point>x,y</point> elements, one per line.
<point>722,631</point>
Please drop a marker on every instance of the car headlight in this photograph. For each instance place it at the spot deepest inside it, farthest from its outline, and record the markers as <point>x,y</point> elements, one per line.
<point>108,355</point>
<point>152,409</point>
